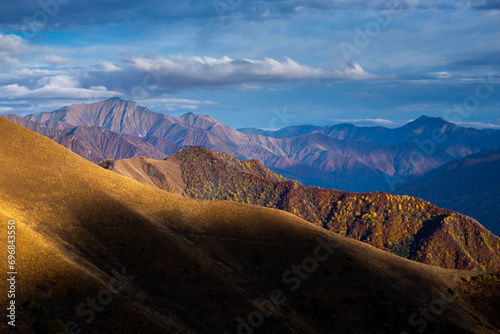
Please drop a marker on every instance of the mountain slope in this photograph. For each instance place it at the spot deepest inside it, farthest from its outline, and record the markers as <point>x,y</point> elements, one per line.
<point>407,226</point>
<point>353,165</point>
<point>128,118</point>
<point>192,266</point>
<point>470,185</point>
<point>96,144</point>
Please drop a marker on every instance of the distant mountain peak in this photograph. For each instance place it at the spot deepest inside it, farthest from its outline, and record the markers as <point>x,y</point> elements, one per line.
<point>426,122</point>
<point>426,117</point>
<point>117,100</point>
<point>429,119</point>
<point>189,115</point>
<point>192,119</point>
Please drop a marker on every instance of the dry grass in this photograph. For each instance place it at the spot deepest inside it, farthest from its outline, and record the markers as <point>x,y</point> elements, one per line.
<point>198,265</point>
<point>133,168</point>
<point>403,225</point>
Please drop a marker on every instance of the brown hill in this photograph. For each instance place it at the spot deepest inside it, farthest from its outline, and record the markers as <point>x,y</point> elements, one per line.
<point>190,266</point>
<point>407,226</point>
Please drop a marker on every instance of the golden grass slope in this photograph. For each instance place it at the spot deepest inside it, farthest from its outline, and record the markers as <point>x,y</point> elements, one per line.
<point>407,226</point>
<point>193,266</point>
<point>170,177</point>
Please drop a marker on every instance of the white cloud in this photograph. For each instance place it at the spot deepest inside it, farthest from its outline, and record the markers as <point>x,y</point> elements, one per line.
<point>58,81</point>
<point>355,71</point>
<point>170,100</point>
<point>188,107</point>
<point>478,125</point>
<point>248,87</point>
<point>172,104</point>
<point>9,61</point>
<point>4,110</point>
<point>440,75</point>
<point>277,89</point>
<point>10,46</point>
<point>373,121</point>
<point>57,60</point>
<point>16,75</point>
<point>13,44</point>
<point>59,86</point>
<point>244,72</point>
<point>107,66</point>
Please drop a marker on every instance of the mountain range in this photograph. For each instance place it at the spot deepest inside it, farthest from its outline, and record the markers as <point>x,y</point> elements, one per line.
<point>101,253</point>
<point>409,227</point>
<point>470,185</point>
<point>454,140</point>
<point>343,156</point>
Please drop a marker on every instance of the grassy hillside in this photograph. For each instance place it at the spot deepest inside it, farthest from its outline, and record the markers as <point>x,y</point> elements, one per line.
<point>111,255</point>
<point>406,226</point>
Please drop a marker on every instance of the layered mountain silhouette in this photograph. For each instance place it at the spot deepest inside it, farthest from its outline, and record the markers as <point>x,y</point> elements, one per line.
<point>342,157</point>
<point>454,140</point>
<point>102,253</point>
<point>470,185</point>
<point>407,226</point>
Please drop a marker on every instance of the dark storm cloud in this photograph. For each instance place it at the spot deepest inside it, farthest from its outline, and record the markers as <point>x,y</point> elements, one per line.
<point>489,4</point>
<point>65,13</point>
<point>57,14</point>
<point>492,58</point>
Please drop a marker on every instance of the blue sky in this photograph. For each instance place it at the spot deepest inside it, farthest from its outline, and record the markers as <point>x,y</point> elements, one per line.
<point>265,64</point>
